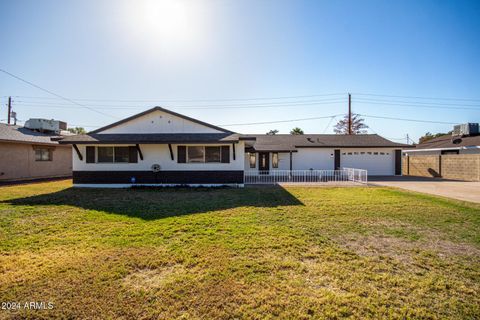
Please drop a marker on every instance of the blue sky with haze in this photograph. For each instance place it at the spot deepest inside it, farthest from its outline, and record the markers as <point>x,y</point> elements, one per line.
<point>160,52</point>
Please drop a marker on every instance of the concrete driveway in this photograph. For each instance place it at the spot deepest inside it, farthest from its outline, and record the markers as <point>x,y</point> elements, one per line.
<point>461,190</point>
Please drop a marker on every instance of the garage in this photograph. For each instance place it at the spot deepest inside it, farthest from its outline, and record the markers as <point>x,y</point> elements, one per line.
<point>377,161</point>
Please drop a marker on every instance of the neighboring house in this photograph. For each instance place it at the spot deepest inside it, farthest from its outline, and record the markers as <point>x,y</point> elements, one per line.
<point>159,146</point>
<point>453,156</point>
<point>465,139</point>
<point>27,154</point>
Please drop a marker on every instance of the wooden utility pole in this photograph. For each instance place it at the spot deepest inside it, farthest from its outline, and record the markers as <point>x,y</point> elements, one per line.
<point>9,108</point>
<point>349,113</point>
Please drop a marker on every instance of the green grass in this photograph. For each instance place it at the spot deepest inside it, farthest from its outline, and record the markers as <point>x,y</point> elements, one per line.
<point>253,253</point>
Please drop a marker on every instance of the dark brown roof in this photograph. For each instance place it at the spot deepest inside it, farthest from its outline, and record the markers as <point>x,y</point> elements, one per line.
<point>159,109</point>
<point>150,138</point>
<point>11,133</point>
<point>286,142</point>
<point>447,141</point>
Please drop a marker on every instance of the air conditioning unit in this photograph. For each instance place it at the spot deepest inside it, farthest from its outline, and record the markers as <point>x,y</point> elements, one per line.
<point>465,129</point>
<point>45,125</point>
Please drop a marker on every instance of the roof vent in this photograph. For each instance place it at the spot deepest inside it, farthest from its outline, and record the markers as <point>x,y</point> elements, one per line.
<point>465,129</point>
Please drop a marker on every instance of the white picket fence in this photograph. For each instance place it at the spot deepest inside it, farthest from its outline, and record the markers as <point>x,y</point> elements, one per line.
<point>305,176</point>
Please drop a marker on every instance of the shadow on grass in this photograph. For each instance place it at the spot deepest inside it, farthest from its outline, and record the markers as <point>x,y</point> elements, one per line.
<point>151,204</point>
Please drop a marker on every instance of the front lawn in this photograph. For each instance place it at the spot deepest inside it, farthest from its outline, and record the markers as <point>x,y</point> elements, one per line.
<point>253,253</point>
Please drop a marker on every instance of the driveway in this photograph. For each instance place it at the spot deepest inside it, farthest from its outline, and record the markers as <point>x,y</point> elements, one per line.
<point>461,190</point>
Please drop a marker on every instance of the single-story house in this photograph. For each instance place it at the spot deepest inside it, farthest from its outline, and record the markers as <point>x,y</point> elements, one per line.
<point>27,154</point>
<point>160,146</point>
<point>458,142</point>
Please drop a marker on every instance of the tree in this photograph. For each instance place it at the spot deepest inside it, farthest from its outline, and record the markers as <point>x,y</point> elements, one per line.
<point>358,125</point>
<point>296,130</point>
<point>272,132</point>
<point>429,136</point>
<point>77,130</point>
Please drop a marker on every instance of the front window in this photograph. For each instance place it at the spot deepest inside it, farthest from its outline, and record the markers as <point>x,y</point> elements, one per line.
<point>275,159</point>
<point>253,160</point>
<point>43,154</point>
<point>113,154</point>
<point>212,154</point>
<point>121,154</point>
<point>196,154</point>
<point>105,154</point>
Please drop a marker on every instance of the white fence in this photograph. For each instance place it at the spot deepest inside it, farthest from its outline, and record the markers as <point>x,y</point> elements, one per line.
<point>305,176</point>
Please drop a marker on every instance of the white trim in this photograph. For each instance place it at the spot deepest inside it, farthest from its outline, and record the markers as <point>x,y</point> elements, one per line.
<point>129,185</point>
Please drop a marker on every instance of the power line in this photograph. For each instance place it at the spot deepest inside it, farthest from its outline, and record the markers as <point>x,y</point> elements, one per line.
<point>420,104</point>
<point>410,120</point>
<point>224,106</point>
<point>54,94</point>
<point>416,97</point>
<point>197,100</point>
<point>279,121</point>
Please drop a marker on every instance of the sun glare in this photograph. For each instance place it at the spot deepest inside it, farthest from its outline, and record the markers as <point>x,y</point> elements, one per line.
<point>166,26</point>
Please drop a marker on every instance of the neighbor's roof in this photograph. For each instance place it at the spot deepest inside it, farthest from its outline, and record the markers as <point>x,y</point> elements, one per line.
<point>289,142</point>
<point>449,141</point>
<point>138,115</point>
<point>150,138</point>
<point>11,133</point>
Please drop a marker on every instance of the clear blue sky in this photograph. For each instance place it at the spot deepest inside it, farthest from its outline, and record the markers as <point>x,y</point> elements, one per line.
<point>206,50</point>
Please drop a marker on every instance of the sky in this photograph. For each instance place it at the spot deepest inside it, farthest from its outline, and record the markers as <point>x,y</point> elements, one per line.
<point>232,63</point>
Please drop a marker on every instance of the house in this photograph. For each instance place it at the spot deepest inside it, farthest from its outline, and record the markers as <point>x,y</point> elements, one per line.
<point>454,156</point>
<point>464,139</point>
<point>28,153</point>
<point>160,146</point>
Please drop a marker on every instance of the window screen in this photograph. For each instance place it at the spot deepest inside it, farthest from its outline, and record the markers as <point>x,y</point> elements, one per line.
<point>253,160</point>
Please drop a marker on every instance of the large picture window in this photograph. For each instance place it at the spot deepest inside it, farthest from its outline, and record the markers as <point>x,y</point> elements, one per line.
<point>206,154</point>
<point>113,154</point>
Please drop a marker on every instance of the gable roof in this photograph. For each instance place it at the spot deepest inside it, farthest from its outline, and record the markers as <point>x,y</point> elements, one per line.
<point>447,141</point>
<point>11,133</point>
<point>138,115</point>
<point>289,142</point>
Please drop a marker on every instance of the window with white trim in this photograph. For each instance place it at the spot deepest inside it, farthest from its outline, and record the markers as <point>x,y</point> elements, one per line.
<point>275,159</point>
<point>204,154</point>
<point>113,154</point>
<point>253,159</point>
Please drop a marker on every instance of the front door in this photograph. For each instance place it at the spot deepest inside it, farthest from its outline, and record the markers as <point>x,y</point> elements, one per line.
<point>263,162</point>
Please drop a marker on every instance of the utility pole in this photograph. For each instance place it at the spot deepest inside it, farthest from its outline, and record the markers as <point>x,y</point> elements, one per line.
<point>349,113</point>
<point>9,108</point>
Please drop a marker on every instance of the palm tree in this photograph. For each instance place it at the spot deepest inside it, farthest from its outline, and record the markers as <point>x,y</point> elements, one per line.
<point>296,130</point>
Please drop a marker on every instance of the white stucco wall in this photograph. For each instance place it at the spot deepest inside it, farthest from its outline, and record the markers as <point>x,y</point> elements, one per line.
<point>160,154</point>
<point>313,158</point>
<point>160,122</point>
